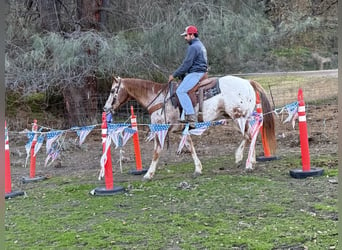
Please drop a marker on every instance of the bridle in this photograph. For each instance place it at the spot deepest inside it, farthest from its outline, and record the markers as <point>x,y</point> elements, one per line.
<point>115,91</point>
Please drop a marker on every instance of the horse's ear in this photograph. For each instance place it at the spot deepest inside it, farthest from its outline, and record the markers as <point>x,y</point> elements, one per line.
<point>115,79</point>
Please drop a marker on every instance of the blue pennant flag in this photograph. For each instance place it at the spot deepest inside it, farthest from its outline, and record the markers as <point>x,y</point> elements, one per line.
<point>6,134</point>
<point>51,137</point>
<point>52,154</point>
<point>255,123</point>
<point>184,139</point>
<point>30,136</point>
<point>39,144</point>
<point>83,132</point>
<point>292,110</point>
<point>115,131</point>
<point>159,130</point>
<point>128,133</point>
<point>200,127</point>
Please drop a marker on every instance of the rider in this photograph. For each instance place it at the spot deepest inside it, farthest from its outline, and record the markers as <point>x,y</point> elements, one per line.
<point>195,65</point>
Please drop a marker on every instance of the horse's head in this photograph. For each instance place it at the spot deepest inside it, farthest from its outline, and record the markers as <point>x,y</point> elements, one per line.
<point>118,96</point>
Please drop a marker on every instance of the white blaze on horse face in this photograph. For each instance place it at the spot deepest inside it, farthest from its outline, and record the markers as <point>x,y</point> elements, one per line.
<point>109,102</point>
<point>113,99</point>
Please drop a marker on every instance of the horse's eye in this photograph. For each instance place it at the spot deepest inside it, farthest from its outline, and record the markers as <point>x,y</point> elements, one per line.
<point>112,91</point>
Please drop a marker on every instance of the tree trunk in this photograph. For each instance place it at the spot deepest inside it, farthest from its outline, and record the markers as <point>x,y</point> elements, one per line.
<point>81,102</point>
<point>90,13</point>
<point>49,15</point>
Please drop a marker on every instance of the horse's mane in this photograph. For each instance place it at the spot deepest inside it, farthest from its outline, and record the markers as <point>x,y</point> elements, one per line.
<point>141,87</point>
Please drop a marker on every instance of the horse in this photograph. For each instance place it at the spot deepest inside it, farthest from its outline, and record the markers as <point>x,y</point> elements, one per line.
<point>236,100</point>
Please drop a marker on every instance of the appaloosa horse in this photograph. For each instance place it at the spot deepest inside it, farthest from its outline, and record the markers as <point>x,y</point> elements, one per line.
<point>236,99</point>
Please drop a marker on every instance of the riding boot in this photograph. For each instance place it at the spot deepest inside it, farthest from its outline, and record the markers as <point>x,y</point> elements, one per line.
<point>190,118</point>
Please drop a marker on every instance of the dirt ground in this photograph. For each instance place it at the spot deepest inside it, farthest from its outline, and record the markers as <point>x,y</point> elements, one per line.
<point>322,124</point>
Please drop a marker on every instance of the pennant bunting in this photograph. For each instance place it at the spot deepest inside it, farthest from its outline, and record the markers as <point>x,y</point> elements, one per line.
<point>103,159</point>
<point>128,133</point>
<point>200,127</point>
<point>255,123</point>
<point>53,154</point>
<point>51,137</point>
<point>220,122</point>
<point>30,136</point>
<point>159,130</point>
<point>292,110</point>
<point>120,133</point>
<point>115,131</point>
<point>184,139</point>
<point>83,132</point>
<point>39,144</point>
<point>6,134</point>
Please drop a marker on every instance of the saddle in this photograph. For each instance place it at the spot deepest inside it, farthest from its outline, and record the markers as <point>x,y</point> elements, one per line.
<point>203,90</point>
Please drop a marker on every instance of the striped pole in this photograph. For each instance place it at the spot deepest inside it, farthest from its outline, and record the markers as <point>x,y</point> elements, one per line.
<point>108,164</point>
<point>303,132</point>
<point>33,157</point>
<point>8,182</point>
<point>139,169</point>
<point>306,170</point>
<point>33,177</point>
<point>109,189</point>
<point>267,152</point>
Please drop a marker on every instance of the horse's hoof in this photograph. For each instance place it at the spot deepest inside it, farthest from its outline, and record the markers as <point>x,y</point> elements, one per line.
<point>146,178</point>
<point>238,165</point>
<point>237,162</point>
<point>248,170</point>
<point>196,174</point>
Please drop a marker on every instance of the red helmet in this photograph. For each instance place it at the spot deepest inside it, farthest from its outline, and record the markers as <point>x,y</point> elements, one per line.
<point>190,30</point>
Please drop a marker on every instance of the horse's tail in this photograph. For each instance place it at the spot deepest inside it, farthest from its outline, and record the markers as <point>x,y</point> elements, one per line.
<point>268,127</point>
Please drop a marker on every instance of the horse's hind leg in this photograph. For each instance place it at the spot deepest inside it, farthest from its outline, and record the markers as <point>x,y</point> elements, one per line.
<point>198,165</point>
<point>156,154</point>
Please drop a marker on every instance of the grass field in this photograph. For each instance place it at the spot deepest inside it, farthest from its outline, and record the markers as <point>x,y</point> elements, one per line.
<point>266,209</point>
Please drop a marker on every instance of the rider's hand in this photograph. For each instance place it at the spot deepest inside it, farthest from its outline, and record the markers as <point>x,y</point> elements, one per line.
<point>170,78</point>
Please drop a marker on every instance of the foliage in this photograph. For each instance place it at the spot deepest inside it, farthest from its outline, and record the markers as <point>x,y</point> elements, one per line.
<point>21,110</point>
<point>299,56</point>
<point>238,36</point>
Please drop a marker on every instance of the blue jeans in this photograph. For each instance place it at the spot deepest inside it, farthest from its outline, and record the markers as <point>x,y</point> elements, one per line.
<point>188,83</point>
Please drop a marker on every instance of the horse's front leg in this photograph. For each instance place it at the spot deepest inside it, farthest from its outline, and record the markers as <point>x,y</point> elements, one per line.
<point>155,158</point>
<point>251,154</point>
<point>239,151</point>
<point>198,165</point>
<point>254,157</point>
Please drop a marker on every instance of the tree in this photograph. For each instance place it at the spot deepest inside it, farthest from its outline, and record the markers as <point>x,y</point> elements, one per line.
<point>80,99</point>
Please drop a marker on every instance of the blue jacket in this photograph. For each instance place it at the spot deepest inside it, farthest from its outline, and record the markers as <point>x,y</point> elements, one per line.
<point>195,59</point>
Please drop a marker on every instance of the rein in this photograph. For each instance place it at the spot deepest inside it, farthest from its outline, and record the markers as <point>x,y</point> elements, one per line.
<point>159,105</point>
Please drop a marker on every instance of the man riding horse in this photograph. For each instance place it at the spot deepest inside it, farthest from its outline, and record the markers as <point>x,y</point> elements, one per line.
<point>194,67</point>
